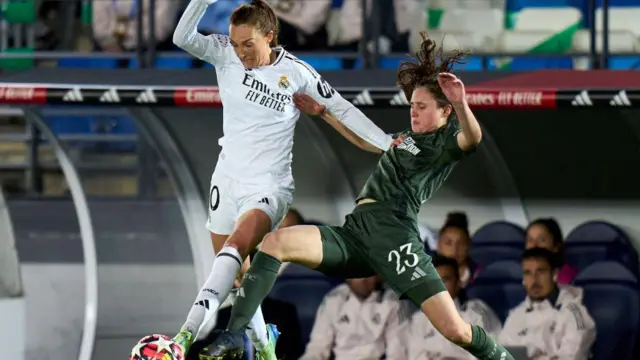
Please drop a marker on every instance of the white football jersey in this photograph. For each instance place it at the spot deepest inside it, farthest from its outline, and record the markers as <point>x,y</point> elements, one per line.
<point>259,116</point>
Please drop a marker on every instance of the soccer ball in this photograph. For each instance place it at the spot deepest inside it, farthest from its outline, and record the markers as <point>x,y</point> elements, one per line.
<point>157,347</point>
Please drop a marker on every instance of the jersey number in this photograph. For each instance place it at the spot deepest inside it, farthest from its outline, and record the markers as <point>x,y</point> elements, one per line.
<point>410,259</point>
<point>214,202</point>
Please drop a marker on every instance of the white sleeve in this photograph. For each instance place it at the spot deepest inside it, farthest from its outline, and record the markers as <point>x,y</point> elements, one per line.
<point>396,332</point>
<point>213,49</point>
<point>573,336</point>
<point>485,317</point>
<point>322,338</point>
<point>512,326</point>
<point>320,90</point>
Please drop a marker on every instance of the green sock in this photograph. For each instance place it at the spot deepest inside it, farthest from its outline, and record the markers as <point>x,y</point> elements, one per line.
<point>484,347</point>
<point>256,285</point>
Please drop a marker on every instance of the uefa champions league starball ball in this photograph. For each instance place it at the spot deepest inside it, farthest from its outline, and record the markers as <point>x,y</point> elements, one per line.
<point>157,347</point>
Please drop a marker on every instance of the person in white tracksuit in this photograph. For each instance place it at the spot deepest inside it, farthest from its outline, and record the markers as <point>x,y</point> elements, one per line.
<point>359,320</point>
<point>552,322</point>
<point>425,342</point>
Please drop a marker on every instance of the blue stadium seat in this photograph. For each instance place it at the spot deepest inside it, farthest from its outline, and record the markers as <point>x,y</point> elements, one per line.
<point>499,233</point>
<point>73,125</point>
<point>612,295</point>
<point>624,62</point>
<point>122,125</point>
<point>485,255</point>
<point>540,63</point>
<point>88,63</point>
<point>321,63</point>
<point>500,286</point>
<point>306,293</point>
<point>599,241</point>
<point>166,63</point>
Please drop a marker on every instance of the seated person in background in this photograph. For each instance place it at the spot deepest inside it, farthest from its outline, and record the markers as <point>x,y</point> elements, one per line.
<point>359,320</point>
<point>115,24</point>
<point>454,241</point>
<point>546,233</point>
<point>425,342</point>
<point>552,322</point>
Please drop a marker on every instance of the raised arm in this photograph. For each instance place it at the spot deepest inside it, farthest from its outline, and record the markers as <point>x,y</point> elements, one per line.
<point>342,110</point>
<point>213,49</point>
<point>453,88</point>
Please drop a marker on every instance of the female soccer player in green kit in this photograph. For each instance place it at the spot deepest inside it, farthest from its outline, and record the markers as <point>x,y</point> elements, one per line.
<point>381,234</point>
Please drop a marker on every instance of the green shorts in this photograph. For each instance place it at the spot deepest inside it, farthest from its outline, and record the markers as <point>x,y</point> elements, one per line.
<point>376,240</point>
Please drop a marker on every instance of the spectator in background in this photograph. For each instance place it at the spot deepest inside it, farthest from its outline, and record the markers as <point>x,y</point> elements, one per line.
<point>425,342</point>
<point>216,18</point>
<point>359,320</point>
<point>302,23</point>
<point>552,322</point>
<point>396,22</point>
<point>546,233</point>
<point>115,24</point>
<point>454,241</point>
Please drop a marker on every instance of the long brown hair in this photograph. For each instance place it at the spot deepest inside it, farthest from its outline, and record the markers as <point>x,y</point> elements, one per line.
<point>259,15</point>
<point>421,72</point>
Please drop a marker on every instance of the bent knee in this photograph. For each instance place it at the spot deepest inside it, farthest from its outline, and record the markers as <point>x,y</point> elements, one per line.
<point>274,245</point>
<point>458,333</point>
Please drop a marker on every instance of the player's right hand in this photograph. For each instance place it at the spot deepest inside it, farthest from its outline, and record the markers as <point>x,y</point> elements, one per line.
<point>307,105</point>
<point>397,141</point>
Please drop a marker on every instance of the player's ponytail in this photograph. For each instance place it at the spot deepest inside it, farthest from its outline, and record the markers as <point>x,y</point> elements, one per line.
<point>259,15</point>
<point>421,72</point>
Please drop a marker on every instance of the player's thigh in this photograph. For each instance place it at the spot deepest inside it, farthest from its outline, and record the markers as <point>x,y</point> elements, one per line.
<point>300,244</point>
<point>221,207</point>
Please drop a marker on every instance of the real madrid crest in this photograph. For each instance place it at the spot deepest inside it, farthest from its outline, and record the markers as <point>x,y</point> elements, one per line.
<point>283,83</point>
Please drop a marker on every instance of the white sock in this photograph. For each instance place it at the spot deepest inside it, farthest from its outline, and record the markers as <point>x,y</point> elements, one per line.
<point>215,290</point>
<point>257,329</point>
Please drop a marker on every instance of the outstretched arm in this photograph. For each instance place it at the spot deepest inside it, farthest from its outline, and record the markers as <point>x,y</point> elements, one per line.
<point>342,110</point>
<point>309,106</point>
<point>453,88</point>
<point>213,49</point>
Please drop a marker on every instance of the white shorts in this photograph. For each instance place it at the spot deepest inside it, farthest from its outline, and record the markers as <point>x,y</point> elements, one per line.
<point>230,199</point>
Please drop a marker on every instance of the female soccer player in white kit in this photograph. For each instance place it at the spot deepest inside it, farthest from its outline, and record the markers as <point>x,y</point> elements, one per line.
<point>252,185</point>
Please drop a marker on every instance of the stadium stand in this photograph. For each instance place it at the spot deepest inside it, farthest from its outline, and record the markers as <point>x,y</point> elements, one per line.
<point>499,240</point>
<point>595,241</point>
<point>612,295</point>
<point>499,285</point>
<point>17,19</point>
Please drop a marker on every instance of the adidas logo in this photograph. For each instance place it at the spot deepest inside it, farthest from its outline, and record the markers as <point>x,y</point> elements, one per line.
<point>204,303</point>
<point>399,99</point>
<point>110,96</point>
<point>73,95</point>
<point>364,98</point>
<point>264,201</point>
<point>620,99</point>
<point>417,274</point>
<point>582,99</point>
<point>147,97</point>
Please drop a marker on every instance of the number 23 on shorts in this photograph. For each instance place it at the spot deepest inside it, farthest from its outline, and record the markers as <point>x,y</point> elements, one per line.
<point>403,258</point>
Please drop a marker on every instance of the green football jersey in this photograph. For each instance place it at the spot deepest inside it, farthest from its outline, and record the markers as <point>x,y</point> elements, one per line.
<point>409,174</point>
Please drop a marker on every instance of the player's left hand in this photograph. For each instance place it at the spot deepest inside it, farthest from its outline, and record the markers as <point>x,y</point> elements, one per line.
<point>452,87</point>
<point>307,105</point>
